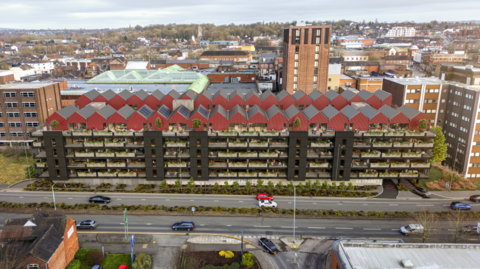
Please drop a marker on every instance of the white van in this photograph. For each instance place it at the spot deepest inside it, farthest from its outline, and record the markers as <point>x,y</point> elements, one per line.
<point>411,229</point>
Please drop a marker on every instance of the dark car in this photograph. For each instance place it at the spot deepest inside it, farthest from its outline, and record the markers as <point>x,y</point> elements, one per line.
<point>460,206</point>
<point>268,245</point>
<point>475,198</point>
<point>87,224</point>
<point>184,225</point>
<point>99,199</point>
<point>422,192</point>
<point>97,267</point>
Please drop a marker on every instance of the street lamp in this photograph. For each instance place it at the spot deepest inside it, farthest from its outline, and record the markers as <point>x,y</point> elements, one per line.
<point>294,194</point>
<point>53,193</point>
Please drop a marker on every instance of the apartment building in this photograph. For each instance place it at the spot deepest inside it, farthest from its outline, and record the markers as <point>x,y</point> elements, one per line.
<point>401,31</point>
<point>447,58</point>
<point>334,73</point>
<point>227,55</point>
<point>306,52</point>
<point>467,74</point>
<point>24,106</point>
<point>327,140</point>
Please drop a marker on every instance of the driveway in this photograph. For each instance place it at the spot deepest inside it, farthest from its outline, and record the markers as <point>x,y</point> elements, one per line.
<point>389,190</point>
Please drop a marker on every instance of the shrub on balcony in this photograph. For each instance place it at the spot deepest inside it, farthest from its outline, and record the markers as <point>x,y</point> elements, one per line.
<point>388,154</point>
<point>387,174</point>
<point>239,142</point>
<point>123,153</point>
<point>249,132</point>
<point>374,132</point>
<point>262,143</point>
<point>382,143</point>
<point>322,143</point>
<point>228,132</point>
<point>414,132</point>
<point>270,132</point>
<point>369,153</point>
<point>402,143</point>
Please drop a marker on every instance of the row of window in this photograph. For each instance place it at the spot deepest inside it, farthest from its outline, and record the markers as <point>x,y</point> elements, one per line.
<point>19,124</point>
<point>465,118</point>
<point>17,114</point>
<point>431,101</point>
<point>461,140</point>
<point>429,111</point>
<point>13,134</point>
<point>22,94</point>
<point>465,130</point>
<point>412,101</point>
<point>469,96</point>
<point>24,104</point>
<point>432,91</point>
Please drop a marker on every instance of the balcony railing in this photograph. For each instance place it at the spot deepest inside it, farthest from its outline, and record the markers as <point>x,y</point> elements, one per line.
<point>105,154</point>
<point>84,154</point>
<point>102,133</point>
<point>114,144</point>
<point>326,165</point>
<point>93,144</point>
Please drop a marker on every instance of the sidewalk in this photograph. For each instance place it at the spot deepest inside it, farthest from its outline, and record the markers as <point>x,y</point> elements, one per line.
<point>456,194</point>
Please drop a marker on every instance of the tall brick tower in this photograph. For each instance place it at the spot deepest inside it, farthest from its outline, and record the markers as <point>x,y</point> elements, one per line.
<point>306,51</point>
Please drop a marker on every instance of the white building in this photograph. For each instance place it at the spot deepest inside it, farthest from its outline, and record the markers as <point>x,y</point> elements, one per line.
<point>401,31</point>
<point>42,67</point>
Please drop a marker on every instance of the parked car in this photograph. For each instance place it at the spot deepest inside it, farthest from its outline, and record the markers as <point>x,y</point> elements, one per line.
<point>267,204</point>
<point>411,229</point>
<point>470,229</point>
<point>184,225</point>
<point>422,192</point>
<point>97,267</point>
<point>475,198</point>
<point>87,224</point>
<point>99,199</point>
<point>264,196</point>
<point>268,245</point>
<point>123,266</point>
<point>460,206</point>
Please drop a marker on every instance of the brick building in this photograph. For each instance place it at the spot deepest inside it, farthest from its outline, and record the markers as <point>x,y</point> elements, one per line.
<point>243,76</point>
<point>447,58</point>
<point>43,241</point>
<point>25,106</point>
<point>6,76</point>
<point>468,74</point>
<point>227,55</point>
<point>306,52</point>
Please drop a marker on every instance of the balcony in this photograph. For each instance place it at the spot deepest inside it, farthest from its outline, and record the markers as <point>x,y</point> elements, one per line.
<point>392,155</point>
<point>227,154</point>
<point>326,154</point>
<point>405,144</point>
<point>312,155</point>
<point>380,144</point>
<point>93,144</point>
<point>411,155</point>
<point>423,145</point>
<point>87,174</point>
<point>400,165</point>
<point>320,144</point>
<point>278,145</point>
<point>247,154</point>
<point>227,133</point>
<point>82,133</point>
<point>409,175</point>
<point>105,154</point>
<point>220,165</point>
<point>125,154</point>
<point>414,133</point>
<point>175,164</point>
<point>136,165</point>
<point>268,154</point>
<point>379,165</point>
<point>324,175</point>
<point>184,154</point>
<point>267,174</point>
<point>311,174</point>
<point>119,164</point>
<point>102,133</point>
<point>370,154</point>
<point>258,144</point>
<point>420,165</point>
<point>123,133</point>
<point>115,144</point>
<point>389,175</point>
<point>37,144</point>
<point>325,165</point>
<point>269,133</point>
<point>248,133</point>
<point>107,174</point>
<point>277,165</point>
<point>95,164</point>
<point>361,145</point>
<point>127,174</point>
<point>171,144</point>
<point>237,164</point>
<point>395,133</point>
<point>227,174</point>
<point>84,154</point>
<point>368,174</point>
<point>373,133</point>
<point>237,144</point>
<point>257,164</point>
<point>247,174</point>
<point>359,165</point>
<point>217,144</point>
<point>170,154</point>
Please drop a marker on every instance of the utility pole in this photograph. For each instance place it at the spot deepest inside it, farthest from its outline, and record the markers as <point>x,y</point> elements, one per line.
<point>294,195</point>
<point>242,247</point>
<point>53,193</point>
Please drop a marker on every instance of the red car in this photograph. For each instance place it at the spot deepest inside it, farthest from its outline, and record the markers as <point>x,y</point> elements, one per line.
<point>123,266</point>
<point>264,197</point>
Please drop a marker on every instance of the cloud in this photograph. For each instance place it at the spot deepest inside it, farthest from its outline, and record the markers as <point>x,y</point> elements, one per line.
<point>97,14</point>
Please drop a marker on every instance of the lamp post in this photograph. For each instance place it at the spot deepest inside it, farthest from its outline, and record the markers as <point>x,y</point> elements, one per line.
<point>294,195</point>
<point>453,170</point>
<point>53,193</point>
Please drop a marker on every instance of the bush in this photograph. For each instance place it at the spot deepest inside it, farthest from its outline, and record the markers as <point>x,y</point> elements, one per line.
<point>94,257</point>
<point>142,261</point>
<point>235,265</point>
<point>74,264</point>
<point>248,260</point>
<point>82,253</point>
<point>227,254</point>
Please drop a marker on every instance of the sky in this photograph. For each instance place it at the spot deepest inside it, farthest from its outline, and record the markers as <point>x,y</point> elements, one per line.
<point>97,14</point>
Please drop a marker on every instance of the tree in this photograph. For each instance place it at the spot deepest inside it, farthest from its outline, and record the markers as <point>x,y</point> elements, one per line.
<point>456,221</point>
<point>429,223</point>
<point>30,171</point>
<point>164,185</point>
<point>25,51</point>
<point>94,257</point>
<point>197,123</point>
<point>356,27</point>
<point>158,123</point>
<point>138,28</point>
<point>216,186</point>
<point>296,123</point>
<point>259,184</point>
<point>235,185</point>
<point>279,185</point>
<point>226,186</point>
<point>308,185</point>
<point>440,148</point>
<point>178,184</point>
<point>125,38</point>
<point>248,186</point>
<point>422,125</point>
<point>317,186</point>
<point>342,186</point>
<point>54,124</point>
<point>191,185</point>
<point>290,186</point>
<point>350,186</point>
<point>270,187</point>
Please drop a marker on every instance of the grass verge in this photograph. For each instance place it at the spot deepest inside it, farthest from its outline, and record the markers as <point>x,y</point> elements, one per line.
<point>436,174</point>
<point>112,261</point>
<point>12,165</point>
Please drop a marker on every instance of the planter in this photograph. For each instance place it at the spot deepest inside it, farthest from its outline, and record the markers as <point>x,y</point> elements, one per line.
<point>322,145</point>
<point>40,164</point>
<point>123,133</point>
<point>257,165</point>
<point>242,174</point>
<point>389,155</point>
<point>366,155</point>
<point>181,144</point>
<point>88,154</point>
<point>395,134</point>
<point>176,165</point>
<point>227,155</point>
<point>248,134</point>
<point>250,154</point>
<point>258,145</point>
<point>373,133</point>
<point>418,165</point>
<point>408,175</point>
<point>130,174</point>
<point>319,165</point>
<point>230,133</point>
<point>267,174</point>
<point>382,145</point>
<point>37,144</point>
<point>173,145</point>
<point>237,144</point>
<point>81,133</point>
<point>388,174</point>
<point>379,165</point>
<point>92,174</point>
<point>116,165</point>
<point>104,154</point>
<point>95,144</point>
<point>97,133</point>
<point>426,145</point>
<point>111,144</point>
<point>368,175</point>
<point>268,133</point>
<point>398,145</point>
<point>96,165</point>
<point>227,174</point>
<point>237,165</point>
<point>130,154</point>
<point>410,155</point>
<point>400,165</point>
<point>268,155</point>
<point>415,133</point>
<point>100,174</point>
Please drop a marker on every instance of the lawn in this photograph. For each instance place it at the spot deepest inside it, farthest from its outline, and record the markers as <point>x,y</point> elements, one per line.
<point>436,174</point>
<point>112,261</point>
<point>12,165</point>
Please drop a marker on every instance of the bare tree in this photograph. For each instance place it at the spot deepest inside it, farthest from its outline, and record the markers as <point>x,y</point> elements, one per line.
<point>10,254</point>
<point>456,221</point>
<point>429,222</point>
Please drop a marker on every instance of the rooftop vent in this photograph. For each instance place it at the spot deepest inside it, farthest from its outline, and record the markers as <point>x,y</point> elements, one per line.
<point>407,264</point>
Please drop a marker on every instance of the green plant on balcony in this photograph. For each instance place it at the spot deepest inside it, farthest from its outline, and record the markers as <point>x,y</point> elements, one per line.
<point>388,154</point>
<point>239,163</point>
<point>318,163</point>
<point>415,132</point>
<point>246,153</point>
<point>259,143</point>
<point>270,132</point>
<point>368,174</point>
<point>158,123</point>
<point>395,133</point>
<point>369,153</point>
<point>399,164</point>
<point>247,173</point>
<point>197,123</point>
<point>257,163</point>
<point>380,164</point>
<point>402,143</point>
<point>389,174</point>
<point>54,124</point>
<point>249,132</point>
<point>296,123</point>
<point>93,142</point>
<point>267,173</point>
<point>411,154</point>
<point>123,153</point>
<point>115,142</point>
<point>239,142</point>
<point>322,143</point>
<point>93,163</point>
<point>126,173</point>
<point>416,164</point>
<point>382,143</point>
<point>228,153</point>
<point>374,132</point>
<point>171,142</point>
<point>423,142</point>
<point>409,174</point>
<point>422,125</point>
<point>269,153</point>
<point>228,132</point>
<point>175,163</point>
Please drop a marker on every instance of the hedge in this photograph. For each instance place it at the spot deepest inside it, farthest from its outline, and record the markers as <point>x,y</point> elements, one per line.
<point>82,253</point>
<point>74,264</point>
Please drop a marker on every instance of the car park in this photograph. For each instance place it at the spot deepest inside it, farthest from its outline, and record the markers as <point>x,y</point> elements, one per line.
<point>267,204</point>
<point>183,225</point>
<point>268,245</point>
<point>422,192</point>
<point>475,198</point>
<point>411,229</point>
<point>264,197</point>
<point>87,224</point>
<point>99,199</point>
<point>460,206</point>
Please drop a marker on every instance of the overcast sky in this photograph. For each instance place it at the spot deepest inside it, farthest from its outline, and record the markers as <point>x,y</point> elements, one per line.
<point>95,14</point>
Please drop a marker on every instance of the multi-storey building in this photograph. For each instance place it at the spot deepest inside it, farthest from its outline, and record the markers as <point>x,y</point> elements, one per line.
<point>306,52</point>
<point>227,55</point>
<point>401,31</point>
<point>24,106</point>
<point>447,58</point>
<point>273,139</point>
<point>467,74</point>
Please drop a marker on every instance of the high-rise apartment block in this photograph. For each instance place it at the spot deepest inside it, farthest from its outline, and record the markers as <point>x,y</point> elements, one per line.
<point>401,31</point>
<point>305,58</point>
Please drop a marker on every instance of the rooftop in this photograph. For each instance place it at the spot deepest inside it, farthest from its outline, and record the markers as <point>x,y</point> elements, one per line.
<point>25,85</point>
<point>431,81</point>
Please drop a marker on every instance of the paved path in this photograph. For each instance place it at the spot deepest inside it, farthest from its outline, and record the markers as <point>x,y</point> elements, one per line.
<point>389,190</point>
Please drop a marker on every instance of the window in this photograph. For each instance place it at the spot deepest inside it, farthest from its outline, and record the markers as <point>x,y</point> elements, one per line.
<point>456,103</point>
<point>315,79</point>
<point>469,108</point>
<point>296,57</point>
<point>296,64</point>
<point>11,104</point>
<point>30,114</point>
<point>443,100</point>
<point>315,71</point>
<point>294,86</point>
<point>462,140</point>
<point>27,94</point>
<point>295,71</point>
<point>455,114</point>
<point>317,48</point>
<point>316,36</point>
<point>31,124</point>
<point>297,48</point>
<point>2,124</point>
<point>314,86</point>
<point>305,40</point>
<point>13,115</point>
<point>29,104</point>
<point>316,56</point>
<point>14,124</point>
<point>468,96</point>
<point>465,118</point>
<point>9,94</point>
<point>16,134</point>
<point>465,130</point>
<point>316,64</point>
<point>32,266</point>
<point>296,36</point>
<point>295,79</point>
<point>3,134</point>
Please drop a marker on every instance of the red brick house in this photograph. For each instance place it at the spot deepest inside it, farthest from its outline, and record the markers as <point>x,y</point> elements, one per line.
<point>45,240</point>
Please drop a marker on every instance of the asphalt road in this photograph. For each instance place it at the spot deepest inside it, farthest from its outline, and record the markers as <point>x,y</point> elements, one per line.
<point>357,204</point>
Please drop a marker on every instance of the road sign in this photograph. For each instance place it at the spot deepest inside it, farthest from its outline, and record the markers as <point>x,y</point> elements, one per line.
<point>193,208</point>
<point>131,249</point>
<point>446,185</point>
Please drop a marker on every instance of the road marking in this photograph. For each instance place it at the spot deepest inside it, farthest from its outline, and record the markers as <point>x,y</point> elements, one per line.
<point>143,199</point>
<point>45,197</point>
<point>377,229</point>
<point>144,246</point>
<point>314,203</point>
<point>365,204</point>
<point>229,225</point>
<point>70,198</point>
<point>121,223</point>
<point>393,204</point>
<point>340,204</point>
<point>288,227</point>
<point>149,224</point>
<point>192,200</point>
<point>167,200</point>
<point>316,227</point>
<point>202,224</point>
<point>445,205</point>
<point>261,226</point>
<point>240,201</point>
<point>344,228</point>
<point>425,205</point>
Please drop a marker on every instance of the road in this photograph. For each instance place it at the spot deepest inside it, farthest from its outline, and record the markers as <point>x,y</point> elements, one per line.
<point>357,204</point>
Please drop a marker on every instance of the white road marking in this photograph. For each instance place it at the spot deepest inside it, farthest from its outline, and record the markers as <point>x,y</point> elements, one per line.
<point>393,204</point>
<point>372,229</point>
<point>261,226</point>
<point>143,199</point>
<point>70,198</point>
<point>20,197</point>
<point>344,228</point>
<point>167,200</point>
<point>240,201</point>
<point>314,203</point>
<point>215,200</point>
<point>288,227</point>
<point>121,223</point>
<point>192,200</point>
<point>365,204</point>
<point>340,204</point>
<point>45,197</point>
<point>149,224</point>
<point>395,229</point>
<point>445,205</point>
<point>289,202</point>
<point>202,224</point>
<point>316,227</point>
<point>425,205</point>
<point>229,225</point>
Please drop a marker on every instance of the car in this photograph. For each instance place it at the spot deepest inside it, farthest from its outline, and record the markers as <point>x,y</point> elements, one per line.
<point>99,199</point>
<point>470,229</point>
<point>97,267</point>
<point>123,266</point>
<point>422,192</point>
<point>267,204</point>
<point>87,224</point>
<point>475,198</point>
<point>184,225</point>
<point>411,229</point>
<point>264,196</point>
<point>268,245</point>
<point>460,206</point>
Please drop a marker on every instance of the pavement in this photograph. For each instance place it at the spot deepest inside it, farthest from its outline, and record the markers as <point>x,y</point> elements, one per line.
<point>389,190</point>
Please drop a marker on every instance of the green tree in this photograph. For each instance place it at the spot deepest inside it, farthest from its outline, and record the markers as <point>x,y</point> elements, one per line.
<point>248,186</point>
<point>270,186</point>
<point>342,186</point>
<point>317,186</point>
<point>300,187</point>
<point>333,186</point>
<point>440,148</point>
<point>350,186</point>
<point>54,124</point>
<point>178,184</point>
<point>235,185</point>
<point>296,123</point>
<point>422,124</point>
<point>197,123</point>
<point>164,185</point>
<point>308,185</point>
<point>158,123</point>
<point>259,184</point>
<point>125,38</point>
<point>226,186</point>
<point>279,186</point>
<point>290,186</point>
<point>30,171</point>
<point>191,185</point>
<point>216,186</point>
